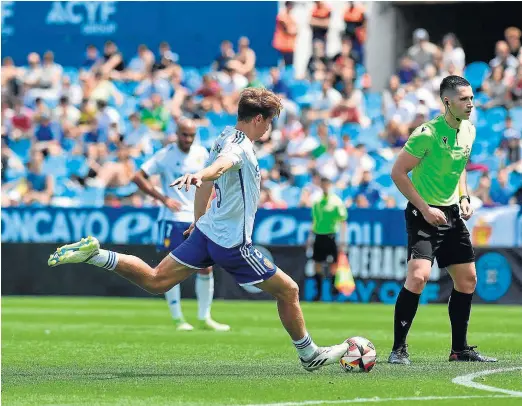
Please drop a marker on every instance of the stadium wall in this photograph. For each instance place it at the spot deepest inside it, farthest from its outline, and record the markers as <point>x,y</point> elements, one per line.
<point>194,29</point>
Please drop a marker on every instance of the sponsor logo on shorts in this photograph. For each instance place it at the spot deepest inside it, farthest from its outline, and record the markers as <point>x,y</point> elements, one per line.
<point>268,264</point>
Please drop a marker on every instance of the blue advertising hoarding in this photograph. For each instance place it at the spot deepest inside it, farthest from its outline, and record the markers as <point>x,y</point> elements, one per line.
<point>193,29</point>
<point>366,227</point>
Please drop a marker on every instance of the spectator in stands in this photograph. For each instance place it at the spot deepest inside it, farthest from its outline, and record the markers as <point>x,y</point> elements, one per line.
<point>40,109</point>
<point>432,79</point>
<point>140,65</point>
<point>73,92</point>
<point>516,89</point>
<point>277,84</point>
<point>155,115</point>
<point>402,111</point>
<point>11,84</point>
<point>253,80</point>
<point>504,59</point>
<point>66,114</point>
<point>107,116</point>
<point>324,102</point>
<point>359,162</point>
<point>167,60</point>
<point>226,54</point>
<point>40,187</point>
<point>394,83</point>
<point>95,142</point>
<point>501,191</point>
<point>97,87</point>
<point>347,58</point>
<point>244,61</point>
<point>92,59</point>
<point>495,88</point>
<point>483,190</point>
<point>50,77</point>
<point>354,24</point>
<point>511,143</point>
<point>285,34</point>
<point>452,52</point>
<point>318,60</point>
<point>361,202</point>
<point>332,162</point>
<point>320,20</point>
<point>20,124</point>
<point>395,134</point>
<point>312,191</point>
<point>33,72</point>
<point>351,107</point>
<point>137,137</point>
<point>512,35</point>
<point>113,63</point>
<point>300,145</point>
<point>408,70</point>
<point>153,83</point>
<point>422,51</point>
<point>368,188</point>
<point>116,174</point>
<point>268,201</point>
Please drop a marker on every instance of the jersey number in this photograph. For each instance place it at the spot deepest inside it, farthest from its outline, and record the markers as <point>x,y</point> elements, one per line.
<point>218,195</point>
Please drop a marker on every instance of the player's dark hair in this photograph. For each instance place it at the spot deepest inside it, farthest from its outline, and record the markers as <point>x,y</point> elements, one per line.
<point>452,83</point>
<point>255,101</point>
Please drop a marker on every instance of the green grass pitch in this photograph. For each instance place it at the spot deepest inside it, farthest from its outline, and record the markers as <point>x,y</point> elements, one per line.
<point>112,351</point>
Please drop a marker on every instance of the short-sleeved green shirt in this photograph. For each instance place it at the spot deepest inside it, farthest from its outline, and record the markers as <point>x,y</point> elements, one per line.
<point>444,152</point>
<point>327,213</point>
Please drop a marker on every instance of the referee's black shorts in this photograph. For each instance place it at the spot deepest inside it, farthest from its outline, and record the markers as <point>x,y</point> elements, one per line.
<point>325,248</point>
<point>450,243</point>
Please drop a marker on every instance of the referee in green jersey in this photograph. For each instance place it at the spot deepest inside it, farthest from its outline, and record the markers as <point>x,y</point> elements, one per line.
<point>437,153</point>
<point>328,213</point>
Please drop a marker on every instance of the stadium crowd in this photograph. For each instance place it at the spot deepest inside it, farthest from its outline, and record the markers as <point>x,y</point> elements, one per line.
<point>75,135</point>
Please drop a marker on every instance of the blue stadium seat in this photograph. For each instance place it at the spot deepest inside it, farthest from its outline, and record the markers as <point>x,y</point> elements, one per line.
<point>301,180</point>
<point>496,117</point>
<point>476,73</point>
<point>481,118</point>
<point>299,89</point>
<point>92,197</point>
<point>77,165</point>
<point>373,105</point>
<point>384,180</point>
<point>516,115</point>
<point>266,162</point>
<point>515,180</point>
<point>56,166</point>
<point>291,195</point>
<point>351,129</point>
<point>473,179</point>
<point>22,148</point>
<point>122,191</point>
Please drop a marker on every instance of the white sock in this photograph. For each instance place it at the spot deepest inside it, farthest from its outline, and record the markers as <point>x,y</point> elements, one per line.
<point>105,259</point>
<point>205,294</point>
<point>173,297</point>
<point>305,347</point>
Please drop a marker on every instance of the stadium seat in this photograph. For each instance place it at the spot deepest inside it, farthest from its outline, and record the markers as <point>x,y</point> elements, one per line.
<point>351,129</point>
<point>21,148</point>
<point>515,180</point>
<point>300,89</point>
<point>92,197</point>
<point>122,191</point>
<point>473,179</point>
<point>384,180</point>
<point>291,195</point>
<point>77,166</point>
<point>496,117</point>
<point>301,180</point>
<point>373,105</point>
<point>516,115</point>
<point>56,166</point>
<point>476,73</point>
<point>266,162</point>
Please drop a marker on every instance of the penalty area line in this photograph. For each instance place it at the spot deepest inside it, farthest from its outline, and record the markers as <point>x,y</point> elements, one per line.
<point>467,380</point>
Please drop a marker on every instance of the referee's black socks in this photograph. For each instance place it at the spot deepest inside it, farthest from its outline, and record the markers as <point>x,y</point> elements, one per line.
<point>405,310</point>
<point>459,308</point>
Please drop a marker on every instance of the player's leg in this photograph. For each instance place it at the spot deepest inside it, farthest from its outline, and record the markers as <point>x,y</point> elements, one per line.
<point>155,280</point>
<point>171,237</point>
<point>458,257</point>
<point>205,295</point>
<point>286,292</point>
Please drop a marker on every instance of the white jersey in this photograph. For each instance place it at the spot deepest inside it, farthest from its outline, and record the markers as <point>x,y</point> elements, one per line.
<point>230,219</point>
<point>171,163</point>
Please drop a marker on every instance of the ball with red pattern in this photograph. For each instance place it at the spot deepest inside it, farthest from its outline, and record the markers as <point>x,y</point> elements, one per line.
<point>360,356</point>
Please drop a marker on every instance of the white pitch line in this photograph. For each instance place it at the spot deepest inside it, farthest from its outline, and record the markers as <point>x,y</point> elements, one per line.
<point>467,380</point>
<point>376,400</point>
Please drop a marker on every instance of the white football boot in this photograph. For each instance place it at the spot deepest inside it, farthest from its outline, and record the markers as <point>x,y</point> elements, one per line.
<point>325,356</point>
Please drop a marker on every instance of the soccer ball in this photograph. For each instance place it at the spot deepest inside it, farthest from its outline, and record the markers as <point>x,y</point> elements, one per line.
<point>360,356</point>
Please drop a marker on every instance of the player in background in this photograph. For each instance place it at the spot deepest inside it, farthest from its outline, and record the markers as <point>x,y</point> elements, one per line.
<point>437,152</point>
<point>222,234</point>
<point>176,215</point>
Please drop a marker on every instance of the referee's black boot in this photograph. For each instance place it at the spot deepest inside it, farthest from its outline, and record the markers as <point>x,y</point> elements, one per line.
<point>400,356</point>
<point>470,355</point>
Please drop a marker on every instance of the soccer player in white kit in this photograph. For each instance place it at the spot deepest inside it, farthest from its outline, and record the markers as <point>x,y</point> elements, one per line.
<point>177,214</point>
<point>221,235</point>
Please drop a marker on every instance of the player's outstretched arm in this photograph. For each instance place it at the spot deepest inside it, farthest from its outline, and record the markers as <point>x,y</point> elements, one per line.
<point>142,180</point>
<point>403,165</point>
<point>210,173</point>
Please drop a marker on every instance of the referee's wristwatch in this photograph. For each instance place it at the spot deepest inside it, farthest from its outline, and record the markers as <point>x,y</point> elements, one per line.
<point>464,197</point>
